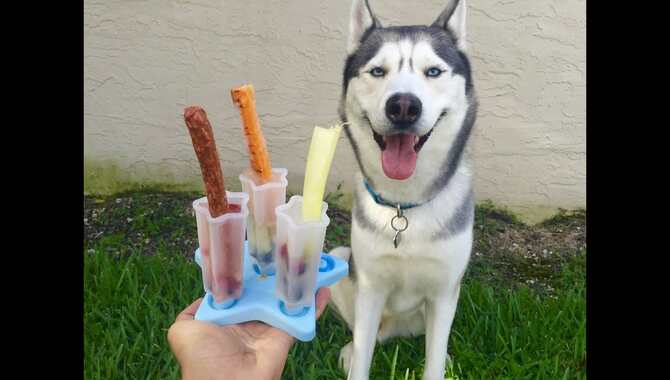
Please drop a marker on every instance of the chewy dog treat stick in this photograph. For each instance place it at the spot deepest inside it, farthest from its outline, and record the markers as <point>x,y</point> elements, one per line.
<point>319,159</point>
<point>205,149</point>
<point>245,98</point>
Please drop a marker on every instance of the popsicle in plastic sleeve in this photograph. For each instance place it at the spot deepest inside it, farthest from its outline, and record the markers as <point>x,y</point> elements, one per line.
<point>262,222</point>
<point>226,234</point>
<point>301,226</point>
<point>266,186</point>
<point>220,217</point>
<point>201,216</point>
<point>300,244</point>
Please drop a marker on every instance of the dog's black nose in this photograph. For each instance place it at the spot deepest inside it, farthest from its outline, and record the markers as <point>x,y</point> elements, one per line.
<point>403,109</point>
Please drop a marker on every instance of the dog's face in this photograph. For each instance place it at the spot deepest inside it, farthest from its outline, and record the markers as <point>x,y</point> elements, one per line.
<point>400,84</point>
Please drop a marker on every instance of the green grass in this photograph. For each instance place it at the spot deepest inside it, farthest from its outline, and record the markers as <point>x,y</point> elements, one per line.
<point>496,335</point>
<point>130,303</point>
<point>503,329</point>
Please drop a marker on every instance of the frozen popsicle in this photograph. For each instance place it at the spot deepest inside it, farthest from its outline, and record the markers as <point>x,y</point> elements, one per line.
<point>226,234</point>
<point>319,159</point>
<point>261,224</point>
<point>299,255</point>
<point>201,217</point>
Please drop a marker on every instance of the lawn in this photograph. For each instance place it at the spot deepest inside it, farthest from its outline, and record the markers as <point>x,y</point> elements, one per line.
<point>521,314</point>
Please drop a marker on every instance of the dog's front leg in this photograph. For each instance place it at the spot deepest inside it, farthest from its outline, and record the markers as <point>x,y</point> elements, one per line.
<point>369,305</point>
<point>440,313</point>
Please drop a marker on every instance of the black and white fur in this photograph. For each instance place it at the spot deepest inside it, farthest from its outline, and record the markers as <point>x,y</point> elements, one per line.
<point>414,288</point>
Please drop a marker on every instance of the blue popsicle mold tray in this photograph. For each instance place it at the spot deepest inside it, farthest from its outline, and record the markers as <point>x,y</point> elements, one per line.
<point>259,301</point>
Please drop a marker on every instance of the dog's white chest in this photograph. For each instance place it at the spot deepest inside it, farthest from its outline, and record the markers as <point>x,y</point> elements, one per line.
<point>419,268</point>
<point>409,279</point>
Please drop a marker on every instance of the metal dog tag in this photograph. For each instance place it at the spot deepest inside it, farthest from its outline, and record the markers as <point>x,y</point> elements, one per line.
<point>399,217</point>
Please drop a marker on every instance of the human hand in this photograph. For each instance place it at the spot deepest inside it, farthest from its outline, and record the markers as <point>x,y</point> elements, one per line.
<point>249,350</point>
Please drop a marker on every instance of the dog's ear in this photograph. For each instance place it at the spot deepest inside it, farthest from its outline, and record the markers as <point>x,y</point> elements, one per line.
<point>453,19</point>
<point>361,21</point>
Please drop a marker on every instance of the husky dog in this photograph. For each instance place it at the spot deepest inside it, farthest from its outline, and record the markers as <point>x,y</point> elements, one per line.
<point>409,106</point>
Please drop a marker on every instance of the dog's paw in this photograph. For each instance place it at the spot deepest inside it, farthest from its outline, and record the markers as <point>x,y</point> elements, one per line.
<point>345,356</point>
<point>342,252</point>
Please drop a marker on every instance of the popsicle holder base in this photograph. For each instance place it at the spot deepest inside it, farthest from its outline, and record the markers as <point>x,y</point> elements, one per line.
<point>259,301</point>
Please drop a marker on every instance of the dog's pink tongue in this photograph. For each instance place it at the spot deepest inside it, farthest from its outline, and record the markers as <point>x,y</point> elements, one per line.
<point>399,157</point>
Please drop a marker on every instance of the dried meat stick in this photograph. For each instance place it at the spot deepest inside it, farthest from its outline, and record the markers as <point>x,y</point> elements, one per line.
<point>245,98</point>
<point>205,149</point>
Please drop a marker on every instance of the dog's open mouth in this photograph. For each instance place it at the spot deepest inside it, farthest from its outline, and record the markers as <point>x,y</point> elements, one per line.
<point>418,141</point>
<point>400,151</point>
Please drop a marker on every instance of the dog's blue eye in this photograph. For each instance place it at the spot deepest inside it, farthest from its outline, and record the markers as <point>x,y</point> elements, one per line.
<point>433,72</point>
<point>377,72</point>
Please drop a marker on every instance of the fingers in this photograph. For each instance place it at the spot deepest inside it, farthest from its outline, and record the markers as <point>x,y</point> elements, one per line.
<point>189,312</point>
<point>322,298</point>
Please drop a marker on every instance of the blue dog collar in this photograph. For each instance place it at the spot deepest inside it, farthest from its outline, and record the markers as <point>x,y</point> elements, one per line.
<point>381,201</point>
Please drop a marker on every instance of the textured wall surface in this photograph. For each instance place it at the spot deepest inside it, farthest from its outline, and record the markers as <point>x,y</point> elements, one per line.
<point>145,60</point>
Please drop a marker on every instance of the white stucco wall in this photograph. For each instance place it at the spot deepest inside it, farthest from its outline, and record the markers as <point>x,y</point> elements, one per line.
<point>145,61</point>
